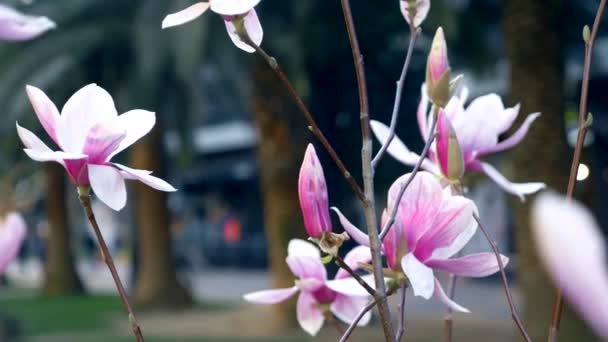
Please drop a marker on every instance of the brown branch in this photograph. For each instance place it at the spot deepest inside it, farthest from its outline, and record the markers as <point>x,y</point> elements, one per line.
<point>576,159</point>
<point>368,174</point>
<point>505,283</point>
<point>401,328</point>
<point>357,277</point>
<point>312,124</point>
<point>85,200</point>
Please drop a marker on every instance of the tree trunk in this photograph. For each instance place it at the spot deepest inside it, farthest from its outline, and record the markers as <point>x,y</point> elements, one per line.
<point>280,153</point>
<point>533,49</point>
<point>156,284</point>
<point>60,277</point>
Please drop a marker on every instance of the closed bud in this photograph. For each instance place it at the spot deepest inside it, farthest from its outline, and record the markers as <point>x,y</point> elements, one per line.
<point>438,70</point>
<point>312,191</point>
<point>449,154</point>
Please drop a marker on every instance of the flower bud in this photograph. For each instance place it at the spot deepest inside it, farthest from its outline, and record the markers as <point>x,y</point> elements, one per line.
<point>449,154</point>
<point>415,11</point>
<point>438,70</point>
<point>312,191</point>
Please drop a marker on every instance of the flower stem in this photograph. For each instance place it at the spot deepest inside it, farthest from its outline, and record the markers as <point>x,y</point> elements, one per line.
<point>401,328</point>
<point>85,200</point>
<point>576,159</point>
<point>367,169</point>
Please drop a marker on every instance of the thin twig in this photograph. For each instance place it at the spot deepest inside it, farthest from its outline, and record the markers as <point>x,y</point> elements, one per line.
<point>85,200</point>
<point>355,275</point>
<point>362,313</point>
<point>576,159</point>
<point>369,205</point>
<point>448,322</point>
<point>505,282</point>
<point>398,94</point>
<point>401,328</point>
<point>391,218</point>
<point>312,124</point>
<point>334,322</point>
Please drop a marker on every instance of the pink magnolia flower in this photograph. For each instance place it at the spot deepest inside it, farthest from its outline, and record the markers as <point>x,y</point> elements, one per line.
<point>431,226</point>
<point>234,13</point>
<point>449,153</point>
<point>312,191</point>
<point>12,233</point>
<point>418,9</point>
<point>89,133</point>
<point>477,129</point>
<point>304,260</point>
<point>572,248</point>
<point>16,26</point>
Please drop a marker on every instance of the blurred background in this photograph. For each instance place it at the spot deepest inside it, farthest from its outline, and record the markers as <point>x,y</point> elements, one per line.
<point>231,140</point>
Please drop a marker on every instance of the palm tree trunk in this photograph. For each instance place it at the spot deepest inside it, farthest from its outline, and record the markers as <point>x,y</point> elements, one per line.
<point>533,49</point>
<point>60,277</point>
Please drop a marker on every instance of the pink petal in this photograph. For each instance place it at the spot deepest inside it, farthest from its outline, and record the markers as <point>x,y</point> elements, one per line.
<point>453,219</point>
<point>421,7</point>
<point>137,123</point>
<point>312,193</point>
<point>185,15</point>
<point>397,148</point>
<point>270,296</point>
<point>394,245</point>
<point>103,139</point>
<point>299,247</point>
<point>354,232</point>
<point>86,108</point>
<point>108,185</point>
<point>233,7</point>
<point>350,286</point>
<point>514,139</point>
<point>420,276</point>
<point>359,254</point>
<point>422,113</point>
<point>347,308</point>
<point>572,248</point>
<point>419,205</point>
<point>449,153</point>
<point>472,265</point>
<point>518,189</point>
<point>145,177</point>
<point>253,28</point>
<point>12,233</point>
<point>445,299</point>
<point>305,267</point>
<point>16,26</point>
<point>309,316</point>
<point>45,110</point>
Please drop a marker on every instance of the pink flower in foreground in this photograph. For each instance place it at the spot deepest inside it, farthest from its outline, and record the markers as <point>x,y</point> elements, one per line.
<point>315,297</point>
<point>12,233</point>
<point>418,9</point>
<point>431,226</point>
<point>312,191</point>
<point>477,129</point>
<point>236,14</point>
<point>572,248</point>
<point>16,26</point>
<point>89,133</point>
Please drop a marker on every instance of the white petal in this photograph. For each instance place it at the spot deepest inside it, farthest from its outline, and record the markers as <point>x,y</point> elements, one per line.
<point>145,177</point>
<point>298,247</point>
<point>270,296</point>
<point>347,308</point>
<point>233,7</point>
<point>397,148</point>
<point>254,30</point>
<point>30,140</point>
<point>518,189</point>
<point>16,26</point>
<point>309,316</point>
<point>108,185</point>
<point>12,233</point>
<point>185,15</point>
<point>350,286</point>
<point>445,299</point>
<point>419,275</point>
<point>137,123</point>
<point>56,156</point>
<point>306,267</point>
<point>87,107</point>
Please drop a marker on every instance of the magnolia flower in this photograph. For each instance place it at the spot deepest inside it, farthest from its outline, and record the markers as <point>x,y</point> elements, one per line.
<point>449,153</point>
<point>12,233</point>
<point>312,191</point>
<point>415,11</point>
<point>239,17</point>
<point>572,248</point>
<point>89,133</point>
<point>316,296</point>
<point>16,26</point>
<point>431,226</point>
<point>477,129</point>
